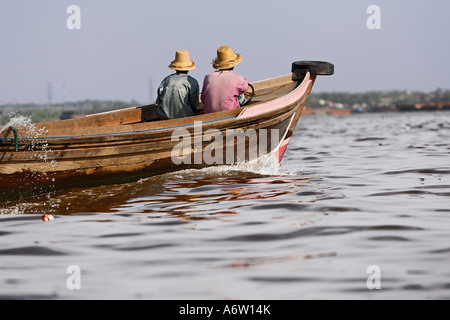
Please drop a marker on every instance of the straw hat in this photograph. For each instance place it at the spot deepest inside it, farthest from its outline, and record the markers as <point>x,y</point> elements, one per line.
<point>182,61</point>
<point>226,58</point>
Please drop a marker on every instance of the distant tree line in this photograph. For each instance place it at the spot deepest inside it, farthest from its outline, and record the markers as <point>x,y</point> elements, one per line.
<point>376,98</point>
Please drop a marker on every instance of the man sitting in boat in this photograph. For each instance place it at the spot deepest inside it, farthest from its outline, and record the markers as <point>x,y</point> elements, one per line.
<point>224,89</point>
<point>178,94</point>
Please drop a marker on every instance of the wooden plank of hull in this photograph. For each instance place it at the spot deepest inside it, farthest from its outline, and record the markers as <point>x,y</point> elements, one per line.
<point>95,156</point>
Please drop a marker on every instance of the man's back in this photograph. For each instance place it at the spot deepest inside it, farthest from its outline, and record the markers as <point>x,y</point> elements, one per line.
<point>178,96</point>
<point>221,89</point>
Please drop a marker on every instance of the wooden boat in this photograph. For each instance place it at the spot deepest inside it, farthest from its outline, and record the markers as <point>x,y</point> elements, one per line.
<point>132,143</point>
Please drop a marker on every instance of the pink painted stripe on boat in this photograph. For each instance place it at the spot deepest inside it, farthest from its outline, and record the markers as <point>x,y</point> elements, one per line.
<point>282,149</point>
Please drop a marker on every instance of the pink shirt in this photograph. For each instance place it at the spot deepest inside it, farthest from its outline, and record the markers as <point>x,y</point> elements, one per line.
<point>221,89</point>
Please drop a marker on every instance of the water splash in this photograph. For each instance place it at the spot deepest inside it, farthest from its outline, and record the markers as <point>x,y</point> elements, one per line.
<point>31,143</point>
<point>41,154</point>
<point>267,165</point>
<point>25,122</point>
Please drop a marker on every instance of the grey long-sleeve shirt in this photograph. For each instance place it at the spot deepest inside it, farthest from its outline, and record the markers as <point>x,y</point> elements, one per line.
<point>178,96</point>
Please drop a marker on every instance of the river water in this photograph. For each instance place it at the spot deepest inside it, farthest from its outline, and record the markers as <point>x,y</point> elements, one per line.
<point>359,209</point>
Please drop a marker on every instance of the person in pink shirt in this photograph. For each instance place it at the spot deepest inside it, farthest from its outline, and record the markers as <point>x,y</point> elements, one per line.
<point>224,89</point>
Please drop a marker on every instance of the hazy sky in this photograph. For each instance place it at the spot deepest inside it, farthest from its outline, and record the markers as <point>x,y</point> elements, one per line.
<point>123,44</point>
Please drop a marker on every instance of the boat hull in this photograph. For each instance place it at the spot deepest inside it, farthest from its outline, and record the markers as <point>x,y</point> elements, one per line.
<point>90,152</point>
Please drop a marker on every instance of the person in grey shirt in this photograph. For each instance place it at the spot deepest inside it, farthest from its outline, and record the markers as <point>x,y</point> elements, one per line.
<point>178,94</point>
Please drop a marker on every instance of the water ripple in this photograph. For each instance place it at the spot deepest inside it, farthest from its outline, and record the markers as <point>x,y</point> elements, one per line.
<point>31,251</point>
<point>320,232</point>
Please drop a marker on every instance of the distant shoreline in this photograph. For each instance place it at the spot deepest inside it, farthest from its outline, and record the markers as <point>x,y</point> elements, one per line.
<point>336,103</point>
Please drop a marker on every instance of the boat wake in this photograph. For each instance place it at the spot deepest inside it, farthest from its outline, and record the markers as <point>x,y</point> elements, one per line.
<point>264,166</point>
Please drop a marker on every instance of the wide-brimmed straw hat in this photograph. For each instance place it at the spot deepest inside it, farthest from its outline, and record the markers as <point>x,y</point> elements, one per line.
<point>226,58</point>
<point>182,61</point>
